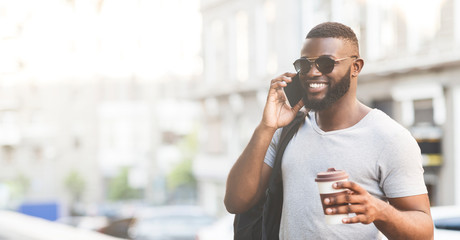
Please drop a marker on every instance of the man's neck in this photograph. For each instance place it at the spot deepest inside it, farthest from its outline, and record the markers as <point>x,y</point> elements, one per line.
<point>341,115</point>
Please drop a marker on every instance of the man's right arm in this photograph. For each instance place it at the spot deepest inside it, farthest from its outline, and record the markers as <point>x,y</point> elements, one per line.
<point>249,176</point>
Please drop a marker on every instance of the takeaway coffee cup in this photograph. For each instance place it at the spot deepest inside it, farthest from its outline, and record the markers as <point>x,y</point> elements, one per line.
<point>325,181</point>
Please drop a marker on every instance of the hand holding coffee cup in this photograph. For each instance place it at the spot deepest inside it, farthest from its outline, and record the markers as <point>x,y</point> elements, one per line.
<point>325,181</point>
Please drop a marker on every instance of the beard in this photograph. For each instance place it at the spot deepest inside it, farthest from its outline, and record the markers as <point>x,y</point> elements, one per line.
<point>334,93</point>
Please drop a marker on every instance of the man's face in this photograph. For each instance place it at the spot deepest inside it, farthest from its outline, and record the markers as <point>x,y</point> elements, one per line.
<point>323,90</point>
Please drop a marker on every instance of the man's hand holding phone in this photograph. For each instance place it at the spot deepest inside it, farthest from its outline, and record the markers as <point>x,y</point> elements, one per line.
<point>278,111</point>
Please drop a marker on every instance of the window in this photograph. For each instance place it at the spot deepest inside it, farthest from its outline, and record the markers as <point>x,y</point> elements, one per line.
<point>423,112</point>
<point>219,57</point>
<point>385,106</point>
<point>8,153</point>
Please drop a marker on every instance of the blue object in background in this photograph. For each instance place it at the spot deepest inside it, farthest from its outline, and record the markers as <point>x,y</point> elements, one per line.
<point>47,210</point>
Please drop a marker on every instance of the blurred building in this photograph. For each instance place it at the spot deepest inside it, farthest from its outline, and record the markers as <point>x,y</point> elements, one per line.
<point>411,63</point>
<point>86,90</point>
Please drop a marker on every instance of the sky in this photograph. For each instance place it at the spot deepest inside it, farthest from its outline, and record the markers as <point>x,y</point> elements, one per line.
<point>55,40</point>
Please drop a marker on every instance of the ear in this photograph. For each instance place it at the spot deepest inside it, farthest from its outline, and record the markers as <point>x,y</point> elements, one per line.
<point>357,67</point>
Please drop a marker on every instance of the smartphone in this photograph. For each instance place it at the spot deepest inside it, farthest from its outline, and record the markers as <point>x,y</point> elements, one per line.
<point>294,91</point>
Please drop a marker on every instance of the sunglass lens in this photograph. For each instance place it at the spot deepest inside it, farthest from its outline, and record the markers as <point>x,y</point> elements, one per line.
<point>302,65</point>
<point>325,64</point>
<point>297,65</point>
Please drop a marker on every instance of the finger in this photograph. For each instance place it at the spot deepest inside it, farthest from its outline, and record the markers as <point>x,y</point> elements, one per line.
<point>360,218</point>
<point>344,199</point>
<point>283,77</point>
<point>278,85</point>
<point>286,79</point>
<point>344,209</point>
<point>289,74</point>
<point>350,185</point>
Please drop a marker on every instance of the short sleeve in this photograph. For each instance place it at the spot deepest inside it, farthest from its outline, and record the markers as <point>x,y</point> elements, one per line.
<point>400,164</point>
<point>271,151</point>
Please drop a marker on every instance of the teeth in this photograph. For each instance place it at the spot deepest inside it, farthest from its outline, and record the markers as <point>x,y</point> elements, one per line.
<point>317,85</point>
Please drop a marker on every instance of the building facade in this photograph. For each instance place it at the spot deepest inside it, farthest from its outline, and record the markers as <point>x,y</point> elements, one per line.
<point>87,92</point>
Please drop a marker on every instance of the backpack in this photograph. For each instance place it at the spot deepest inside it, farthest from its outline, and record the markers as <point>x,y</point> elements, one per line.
<point>262,221</point>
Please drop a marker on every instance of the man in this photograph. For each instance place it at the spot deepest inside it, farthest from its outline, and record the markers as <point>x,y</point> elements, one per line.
<point>387,190</point>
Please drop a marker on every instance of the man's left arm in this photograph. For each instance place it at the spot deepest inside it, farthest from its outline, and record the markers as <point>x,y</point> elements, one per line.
<point>404,218</point>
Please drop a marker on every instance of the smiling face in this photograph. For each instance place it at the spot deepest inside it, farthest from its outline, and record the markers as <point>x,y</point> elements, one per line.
<point>323,90</point>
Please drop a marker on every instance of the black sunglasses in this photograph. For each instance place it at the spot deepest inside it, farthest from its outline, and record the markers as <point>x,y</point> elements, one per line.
<point>324,64</point>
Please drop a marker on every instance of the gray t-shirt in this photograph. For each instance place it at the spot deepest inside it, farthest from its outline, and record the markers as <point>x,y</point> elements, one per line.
<point>377,153</point>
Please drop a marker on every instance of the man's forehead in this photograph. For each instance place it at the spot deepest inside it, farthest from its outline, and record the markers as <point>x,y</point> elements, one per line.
<point>325,46</point>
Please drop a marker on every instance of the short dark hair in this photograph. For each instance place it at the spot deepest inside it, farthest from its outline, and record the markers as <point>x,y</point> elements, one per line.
<point>334,30</point>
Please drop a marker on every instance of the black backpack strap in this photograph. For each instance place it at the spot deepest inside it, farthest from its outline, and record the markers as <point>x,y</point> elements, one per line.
<point>274,195</point>
<point>261,221</point>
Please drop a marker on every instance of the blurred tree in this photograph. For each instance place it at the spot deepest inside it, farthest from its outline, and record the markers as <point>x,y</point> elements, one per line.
<point>119,188</point>
<point>75,184</point>
<point>182,175</point>
<point>18,187</point>
<point>189,144</point>
<point>181,182</point>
